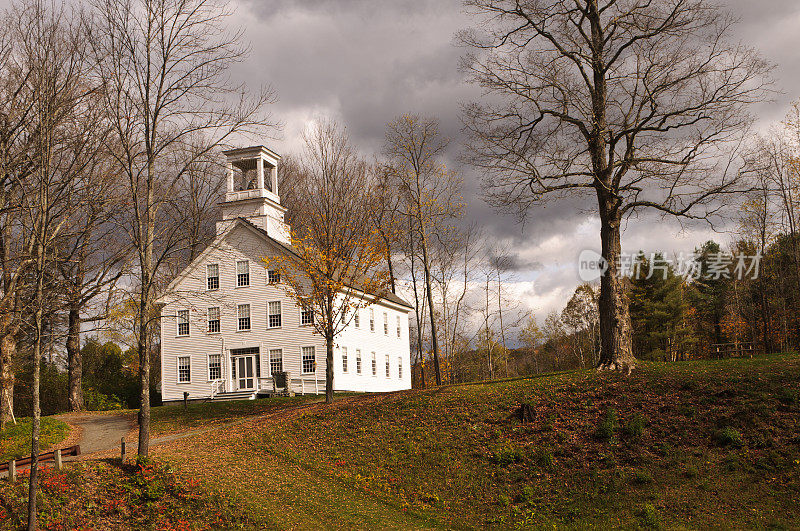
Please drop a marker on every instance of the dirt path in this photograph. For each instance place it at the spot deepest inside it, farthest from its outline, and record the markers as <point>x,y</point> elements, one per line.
<point>99,432</point>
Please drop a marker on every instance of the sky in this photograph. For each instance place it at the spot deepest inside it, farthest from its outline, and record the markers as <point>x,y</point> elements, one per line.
<point>364,62</point>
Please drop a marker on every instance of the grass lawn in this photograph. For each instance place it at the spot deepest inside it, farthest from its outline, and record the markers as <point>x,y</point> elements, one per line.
<point>682,445</point>
<point>15,439</point>
<point>172,418</point>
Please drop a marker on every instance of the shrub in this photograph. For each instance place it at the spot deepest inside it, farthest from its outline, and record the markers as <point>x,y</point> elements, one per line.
<point>152,480</point>
<point>691,472</point>
<point>504,500</point>
<point>634,428</point>
<point>728,436</point>
<point>608,426</point>
<point>507,455</point>
<point>96,401</point>
<point>650,516</point>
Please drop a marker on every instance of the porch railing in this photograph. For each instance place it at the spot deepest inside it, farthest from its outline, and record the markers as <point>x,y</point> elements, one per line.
<point>217,386</point>
<point>300,385</point>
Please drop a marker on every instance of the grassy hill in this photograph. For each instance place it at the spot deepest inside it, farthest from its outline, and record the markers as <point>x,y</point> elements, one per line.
<point>682,445</point>
<point>695,444</point>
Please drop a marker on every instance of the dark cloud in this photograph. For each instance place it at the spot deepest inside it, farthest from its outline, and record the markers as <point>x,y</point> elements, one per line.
<point>366,61</point>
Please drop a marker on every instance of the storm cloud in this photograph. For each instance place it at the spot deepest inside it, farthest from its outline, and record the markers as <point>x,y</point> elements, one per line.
<point>363,62</point>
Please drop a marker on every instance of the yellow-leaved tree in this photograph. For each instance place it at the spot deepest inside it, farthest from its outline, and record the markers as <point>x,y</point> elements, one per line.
<point>335,265</point>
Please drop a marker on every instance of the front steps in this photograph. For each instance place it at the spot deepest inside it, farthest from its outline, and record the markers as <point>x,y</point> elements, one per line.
<point>236,395</point>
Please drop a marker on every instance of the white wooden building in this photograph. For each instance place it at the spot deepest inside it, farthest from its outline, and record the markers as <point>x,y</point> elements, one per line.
<point>227,324</point>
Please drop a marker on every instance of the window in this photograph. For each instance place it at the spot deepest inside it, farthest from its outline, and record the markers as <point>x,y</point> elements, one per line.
<point>344,359</point>
<point>214,366</point>
<point>183,322</point>
<point>385,324</point>
<point>388,373</point>
<point>273,277</point>
<point>243,311</point>
<point>184,370</point>
<point>306,314</point>
<point>213,320</point>
<point>242,273</point>
<point>274,314</point>
<point>400,368</point>
<point>398,326</point>
<point>374,365</point>
<point>309,360</point>
<point>356,320</point>
<point>212,276</point>
<point>358,361</point>
<point>275,360</point>
<point>371,320</point>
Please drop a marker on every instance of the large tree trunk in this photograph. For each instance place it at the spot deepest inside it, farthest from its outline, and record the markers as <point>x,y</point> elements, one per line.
<point>74,361</point>
<point>8,347</point>
<point>616,352</point>
<point>144,376</point>
<point>145,306</point>
<point>328,368</point>
<point>431,309</point>
<point>37,357</point>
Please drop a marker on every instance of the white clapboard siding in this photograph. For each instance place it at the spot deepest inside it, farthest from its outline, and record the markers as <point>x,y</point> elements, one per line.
<point>188,291</point>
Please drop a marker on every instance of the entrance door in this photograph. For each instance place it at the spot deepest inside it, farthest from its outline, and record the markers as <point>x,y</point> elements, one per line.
<point>244,372</point>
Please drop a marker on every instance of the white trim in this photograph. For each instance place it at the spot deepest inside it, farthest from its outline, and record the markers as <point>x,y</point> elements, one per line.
<point>208,320</point>
<point>302,353</point>
<point>249,317</point>
<point>208,367</point>
<point>236,270</point>
<point>178,322</point>
<point>219,277</point>
<point>280,315</point>
<point>178,369</point>
<point>269,359</point>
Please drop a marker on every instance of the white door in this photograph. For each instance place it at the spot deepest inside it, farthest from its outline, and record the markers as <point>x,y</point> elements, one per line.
<point>244,372</point>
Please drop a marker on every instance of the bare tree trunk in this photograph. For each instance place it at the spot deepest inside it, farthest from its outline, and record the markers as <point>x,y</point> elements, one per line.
<point>417,313</point>
<point>490,365</point>
<point>500,313</point>
<point>37,357</point>
<point>431,309</point>
<point>616,351</point>
<point>74,360</point>
<point>144,374</point>
<point>8,348</point>
<point>329,368</point>
<point>146,247</point>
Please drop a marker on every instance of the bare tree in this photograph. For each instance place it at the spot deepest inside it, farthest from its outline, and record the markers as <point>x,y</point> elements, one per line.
<point>333,266</point>
<point>633,102</point>
<point>165,65</point>
<point>52,49</point>
<point>456,254</point>
<point>430,194</point>
<point>92,253</point>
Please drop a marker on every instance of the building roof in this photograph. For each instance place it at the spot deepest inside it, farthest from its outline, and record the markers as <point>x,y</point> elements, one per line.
<point>388,296</point>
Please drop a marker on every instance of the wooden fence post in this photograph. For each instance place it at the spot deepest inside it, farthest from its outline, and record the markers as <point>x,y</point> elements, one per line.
<point>12,470</point>
<point>122,450</point>
<point>185,401</point>
<point>57,456</point>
